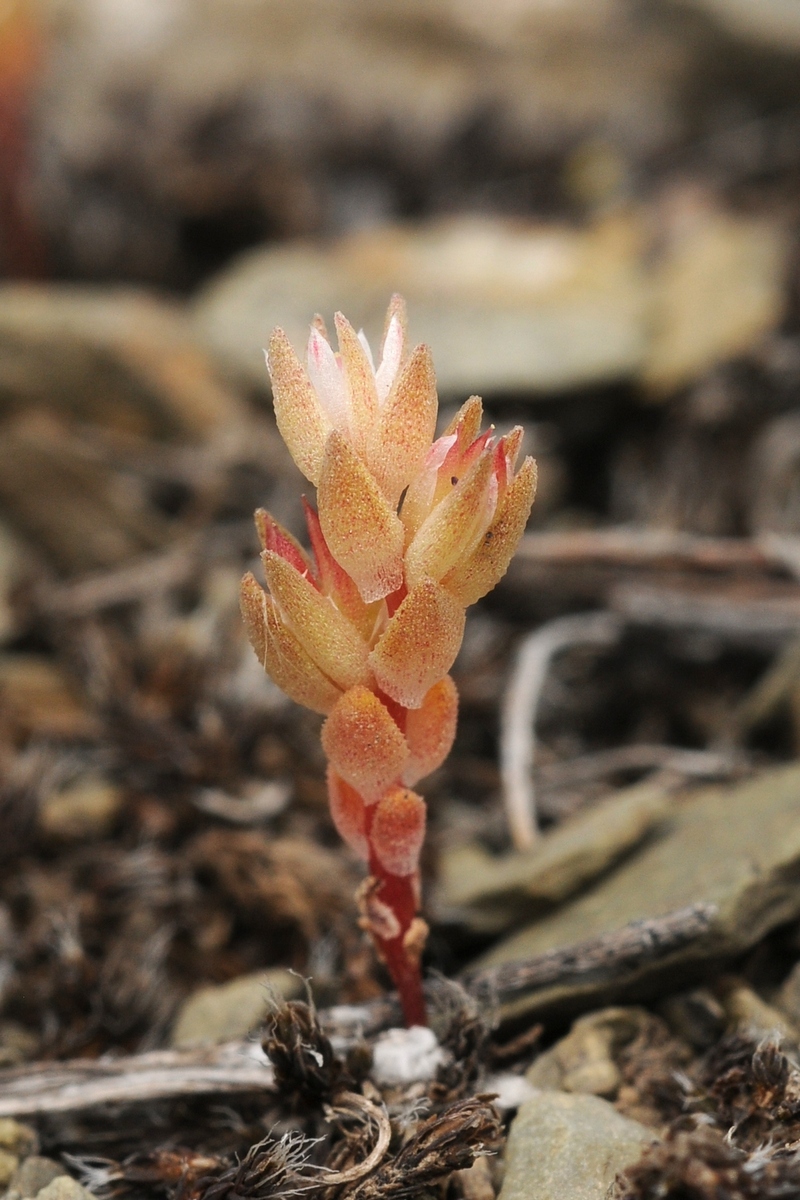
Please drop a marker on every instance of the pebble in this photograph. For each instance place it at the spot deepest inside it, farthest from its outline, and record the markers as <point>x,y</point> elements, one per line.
<point>64,1188</point>
<point>86,809</point>
<point>569,1147</point>
<point>17,1138</point>
<point>490,893</point>
<point>34,1174</point>
<point>8,1166</point>
<point>583,1061</point>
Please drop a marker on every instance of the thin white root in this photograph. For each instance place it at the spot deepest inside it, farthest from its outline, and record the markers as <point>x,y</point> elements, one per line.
<point>520,705</point>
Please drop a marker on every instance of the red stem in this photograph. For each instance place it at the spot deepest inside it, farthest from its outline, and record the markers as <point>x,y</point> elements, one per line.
<point>398,892</point>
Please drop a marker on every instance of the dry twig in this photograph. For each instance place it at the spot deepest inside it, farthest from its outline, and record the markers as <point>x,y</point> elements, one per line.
<point>520,705</point>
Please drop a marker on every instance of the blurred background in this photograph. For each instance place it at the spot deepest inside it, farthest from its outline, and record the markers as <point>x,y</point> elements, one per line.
<point>591,207</point>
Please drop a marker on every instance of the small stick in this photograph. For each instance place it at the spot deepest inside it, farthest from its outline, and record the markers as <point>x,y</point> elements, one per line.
<point>629,546</point>
<point>738,616</point>
<point>35,1090</point>
<point>520,705</point>
<point>639,756</point>
<point>604,958</point>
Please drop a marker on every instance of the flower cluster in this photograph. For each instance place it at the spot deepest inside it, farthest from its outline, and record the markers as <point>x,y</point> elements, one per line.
<point>365,626</point>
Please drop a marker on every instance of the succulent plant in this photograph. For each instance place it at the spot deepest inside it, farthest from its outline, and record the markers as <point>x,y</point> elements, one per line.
<point>409,530</point>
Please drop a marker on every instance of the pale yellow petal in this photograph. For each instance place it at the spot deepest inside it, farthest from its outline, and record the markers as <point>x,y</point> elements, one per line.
<point>281,654</point>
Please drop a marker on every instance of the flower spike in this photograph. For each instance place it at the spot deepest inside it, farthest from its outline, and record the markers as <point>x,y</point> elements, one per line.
<point>408,531</point>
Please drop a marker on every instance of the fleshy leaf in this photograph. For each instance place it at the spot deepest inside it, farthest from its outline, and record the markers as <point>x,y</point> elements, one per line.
<point>348,814</point>
<point>252,602</point>
<point>281,654</point>
<point>327,636</point>
<point>363,532</point>
<point>398,831</point>
<point>419,645</point>
<point>364,744</point>
<point>430,731</point>
<point>481,570</point>
<point>467,421</point>
<point>334,580</point>
<point>405,427</point>
<point>455,524</point>
<point>303,423</point>
<point>362,391</point>
<point>274,537</point>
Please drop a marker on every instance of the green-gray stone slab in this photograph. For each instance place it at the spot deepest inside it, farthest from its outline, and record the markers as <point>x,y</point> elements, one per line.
<point>737,848</point>
<point>569,1147</point>
<point>491,894</point>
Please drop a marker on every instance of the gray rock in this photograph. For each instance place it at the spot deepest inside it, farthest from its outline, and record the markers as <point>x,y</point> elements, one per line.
<point>583,1061</point>
<point>34,1174</point>
<point>736,849</point>
<point>232,1010</point>
<point>490,894</point>
<point>64,1188</point>
<point>564,1147</point>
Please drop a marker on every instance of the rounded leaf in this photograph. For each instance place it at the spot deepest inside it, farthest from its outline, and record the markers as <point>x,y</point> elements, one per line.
<point>398,831</point>
<point>419,645</point>
<point>364,744</point>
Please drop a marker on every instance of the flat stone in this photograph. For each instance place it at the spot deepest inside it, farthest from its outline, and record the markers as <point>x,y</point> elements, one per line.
<point>717,289</point>
<point>490,894</point>
<point>64,1188</point>
<point>510,307</point>
<point>735,849</point>
<point>231,1010</point>
<point>564,1147</point>
<point>116,357</point>
<point>34,1174</point>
